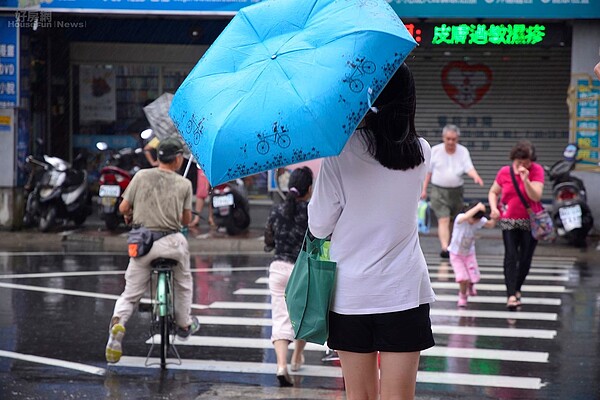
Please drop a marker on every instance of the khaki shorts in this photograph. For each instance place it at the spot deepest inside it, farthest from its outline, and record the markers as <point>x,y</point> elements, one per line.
<point>446,202</point>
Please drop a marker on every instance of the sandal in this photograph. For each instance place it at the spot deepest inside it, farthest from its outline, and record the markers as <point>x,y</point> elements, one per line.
<point>518,297</point>
<point>512,303</point>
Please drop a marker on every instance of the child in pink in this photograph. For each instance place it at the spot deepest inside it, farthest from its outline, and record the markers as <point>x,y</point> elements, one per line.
<point>462,250</point>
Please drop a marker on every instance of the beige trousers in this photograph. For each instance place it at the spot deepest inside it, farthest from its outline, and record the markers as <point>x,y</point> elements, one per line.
<point>139,273</point>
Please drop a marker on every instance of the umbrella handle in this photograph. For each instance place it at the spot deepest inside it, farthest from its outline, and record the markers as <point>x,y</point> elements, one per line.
<point>189,164</point>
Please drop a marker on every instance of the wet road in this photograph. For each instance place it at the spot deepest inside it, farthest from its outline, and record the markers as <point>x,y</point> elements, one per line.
<point>55,307</point>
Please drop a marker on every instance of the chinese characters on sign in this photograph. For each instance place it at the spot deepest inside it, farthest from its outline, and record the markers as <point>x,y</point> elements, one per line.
<point>587,121</point>
<point>481,34</point>
<point>9,67</point>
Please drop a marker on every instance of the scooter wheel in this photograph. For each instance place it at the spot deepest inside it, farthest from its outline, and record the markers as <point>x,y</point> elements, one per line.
<point>27,220</point>
<point>111,221</point>
<point>47,219</point>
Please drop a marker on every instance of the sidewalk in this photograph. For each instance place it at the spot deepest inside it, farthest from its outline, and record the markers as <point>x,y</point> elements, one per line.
<point>95,238</point>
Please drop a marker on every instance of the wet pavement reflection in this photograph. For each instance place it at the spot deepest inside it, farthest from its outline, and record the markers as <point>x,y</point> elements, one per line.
<point>55,309</point>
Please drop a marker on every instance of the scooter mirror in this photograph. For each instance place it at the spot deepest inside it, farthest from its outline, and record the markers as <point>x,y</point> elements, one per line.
<point>101,146</point>
<point>146,133</point>
<point>570,152</point>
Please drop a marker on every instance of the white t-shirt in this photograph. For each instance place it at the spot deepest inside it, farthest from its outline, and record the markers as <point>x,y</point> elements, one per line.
<point>463,236</point>
<point>370,211</point>
<point>446,169</point>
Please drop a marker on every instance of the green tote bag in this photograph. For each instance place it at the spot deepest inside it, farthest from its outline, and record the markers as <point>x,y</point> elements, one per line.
<point>309,290</point>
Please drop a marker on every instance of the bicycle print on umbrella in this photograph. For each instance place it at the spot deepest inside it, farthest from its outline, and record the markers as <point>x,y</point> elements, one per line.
<point>197,127</point>
<point>360,67</point>
<point>278,137</point>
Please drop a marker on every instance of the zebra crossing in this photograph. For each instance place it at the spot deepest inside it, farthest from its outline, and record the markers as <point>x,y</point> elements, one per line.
<point>482,346</point>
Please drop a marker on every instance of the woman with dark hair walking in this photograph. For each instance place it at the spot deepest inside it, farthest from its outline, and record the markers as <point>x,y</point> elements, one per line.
<point>284,232</point>
<point>366,199</point>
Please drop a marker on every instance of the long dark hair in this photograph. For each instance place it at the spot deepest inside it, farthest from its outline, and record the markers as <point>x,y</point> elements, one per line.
<point>391,136</point>
<point>300,181</point>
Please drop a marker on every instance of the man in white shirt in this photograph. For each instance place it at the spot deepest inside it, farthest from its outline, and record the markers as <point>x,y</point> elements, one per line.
<point>449,161</point>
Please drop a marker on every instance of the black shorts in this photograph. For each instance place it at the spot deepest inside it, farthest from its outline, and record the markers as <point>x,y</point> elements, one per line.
<point>401,331</point>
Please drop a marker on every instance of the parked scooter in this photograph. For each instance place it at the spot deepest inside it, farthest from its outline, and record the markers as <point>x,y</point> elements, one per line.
<point>570,212</point>
<point>60,192</point>
<point>114,178</point>
<point>230,207</point>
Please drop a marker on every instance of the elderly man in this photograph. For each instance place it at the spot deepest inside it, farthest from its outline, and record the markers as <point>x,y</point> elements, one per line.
<point>449,161</point>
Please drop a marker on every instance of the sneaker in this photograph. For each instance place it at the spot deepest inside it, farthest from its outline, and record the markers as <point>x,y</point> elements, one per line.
<point>445,254</point>
<point>184,334</point>
<point>330,355</point>
<point>472,290</point>
<point>114,348</point>
<point>462,300</point>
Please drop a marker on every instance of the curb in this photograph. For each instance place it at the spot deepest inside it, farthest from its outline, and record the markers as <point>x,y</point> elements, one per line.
<point>490,242</point>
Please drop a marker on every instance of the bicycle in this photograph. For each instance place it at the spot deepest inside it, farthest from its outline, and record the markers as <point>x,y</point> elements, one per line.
<point>163,311</point>
<point>360,68</point>
<point>279,137</point>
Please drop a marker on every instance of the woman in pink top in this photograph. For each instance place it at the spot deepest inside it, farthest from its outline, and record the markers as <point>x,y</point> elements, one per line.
<point>513,219</point>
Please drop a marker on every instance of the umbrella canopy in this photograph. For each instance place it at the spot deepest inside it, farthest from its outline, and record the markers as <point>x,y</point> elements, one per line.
<point>287,81</point>
<point>157,114</point>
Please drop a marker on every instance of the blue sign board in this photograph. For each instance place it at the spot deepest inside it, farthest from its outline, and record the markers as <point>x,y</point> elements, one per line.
<point>9,62</point>
<point>530,9</point>
<point>588,120</point>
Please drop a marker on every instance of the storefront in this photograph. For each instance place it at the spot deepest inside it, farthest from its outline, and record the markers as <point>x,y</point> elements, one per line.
<point>501,71</point>
<point>499,82</point>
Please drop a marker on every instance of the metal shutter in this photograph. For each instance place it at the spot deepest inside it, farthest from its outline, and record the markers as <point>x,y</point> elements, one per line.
<point>526,100</point>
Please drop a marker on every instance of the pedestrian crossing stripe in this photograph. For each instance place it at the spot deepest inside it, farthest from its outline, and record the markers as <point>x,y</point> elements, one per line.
<point>336,372</point>
<point>539,316</point>
<point>450,275</point>
<point>530,277</point>
<point>436,351</point>
<point>502,287</point>
<point>439,285</point>
<point>547,258</point>
<point>532,271</point>
<point>439,298</point>
<point>442,329</point>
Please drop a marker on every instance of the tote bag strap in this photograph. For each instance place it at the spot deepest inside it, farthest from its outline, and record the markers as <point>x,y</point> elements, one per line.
<point>514,180</point>
<point>313,244</point>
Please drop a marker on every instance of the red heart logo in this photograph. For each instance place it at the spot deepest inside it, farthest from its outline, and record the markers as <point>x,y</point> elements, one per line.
<point>466,84</point>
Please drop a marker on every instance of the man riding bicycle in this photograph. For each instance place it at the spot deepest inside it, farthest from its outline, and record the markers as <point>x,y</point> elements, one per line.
<point>161,200</point>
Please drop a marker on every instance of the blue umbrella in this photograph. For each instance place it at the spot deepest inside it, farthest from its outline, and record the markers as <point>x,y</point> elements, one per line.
<point>287,81</point>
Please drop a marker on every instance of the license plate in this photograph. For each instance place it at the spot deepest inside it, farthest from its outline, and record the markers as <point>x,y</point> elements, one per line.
<point>570,217</point>
<point>222,201</point>
<point>109,191</point>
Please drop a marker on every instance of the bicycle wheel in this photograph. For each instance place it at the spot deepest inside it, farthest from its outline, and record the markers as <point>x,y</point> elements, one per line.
<point>164,340</point>
<point>162,296</point>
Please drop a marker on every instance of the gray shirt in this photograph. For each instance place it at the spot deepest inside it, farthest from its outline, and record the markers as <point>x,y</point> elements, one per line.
<point>158,198</point>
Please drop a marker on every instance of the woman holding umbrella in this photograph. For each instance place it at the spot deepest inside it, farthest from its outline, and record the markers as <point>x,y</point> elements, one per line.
<point>381,299</point>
